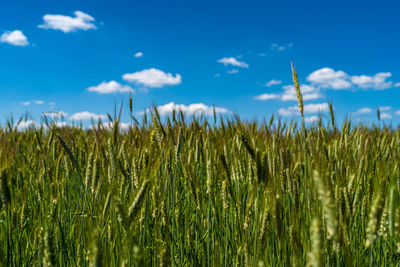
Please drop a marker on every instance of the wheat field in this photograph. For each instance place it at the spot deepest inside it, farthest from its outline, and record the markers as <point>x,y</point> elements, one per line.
<point>197,191</point>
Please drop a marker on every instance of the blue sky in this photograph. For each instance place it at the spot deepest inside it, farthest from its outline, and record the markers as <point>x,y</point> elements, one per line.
<point>78,57</point>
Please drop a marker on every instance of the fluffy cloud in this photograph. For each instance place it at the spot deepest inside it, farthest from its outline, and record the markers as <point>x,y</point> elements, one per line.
<point>362,111</point>
<point>30,124</point>
<point>55,114</point>
<point>110,87</point>
<point>16,38</point>
<point>338,80</point>
<point>62,124</point>
<point>293,110</point>
<point>311,119</point>
<point>278,47</point>
<point>232,71</point>
<point>315,108</point>
<point>385,108</point>
<point>308,109</point>
<point>376,82</point>
<point>81,21</point>
<point>263,97</point>
<point>197,108</point>
<point>154,78</point>
<point>386,116</point>
<point>138,54</point>
<point>308,92</point>
<point>26,103</point>
<point>273,82</point>
<point>233,61</point>
<point>85,115</point>
<point>329,78</point>
<point>25,125</point>
<point>123,126</point>
<point>289,93</point>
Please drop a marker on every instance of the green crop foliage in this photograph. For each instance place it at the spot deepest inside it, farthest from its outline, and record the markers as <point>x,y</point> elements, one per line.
<point>185,191</point>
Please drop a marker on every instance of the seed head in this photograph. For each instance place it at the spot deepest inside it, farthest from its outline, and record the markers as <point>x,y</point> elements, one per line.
<point>298,91</point>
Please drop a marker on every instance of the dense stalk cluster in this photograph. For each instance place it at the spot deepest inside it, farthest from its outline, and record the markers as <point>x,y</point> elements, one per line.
<point>186,191</point>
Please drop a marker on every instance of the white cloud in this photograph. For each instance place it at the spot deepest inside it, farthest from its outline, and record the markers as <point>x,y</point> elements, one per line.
<point>311,119</point>
<point>153,78</point>
<point>55,114</point>
<point>262,54</point>
<point>308,109</point>
<point>329,78</point>
<point>110,87</point>
<point>62,124</point>
<point>293,110</point>
<point>289,94</point>
<point>81,21</point>
<point>312,96</point>
<point>385,108</point>
<point>197,108</point>
<point>232,71</point>
<point>278,47</point>
<point>85,115</point>
<point>362,111</point>
<point>138,54</point>
<point>25,125</point>
<point>315,108</point>
<point>28,103</point>
<point>263,97</point>
<point>217,75</point>
<point>273,82</point>
<point>123,126</point>
<point>386,116</point>
<point>308,92</point>
<point>233,61</point>
<point>16,38</point>
<point>376,82</point>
